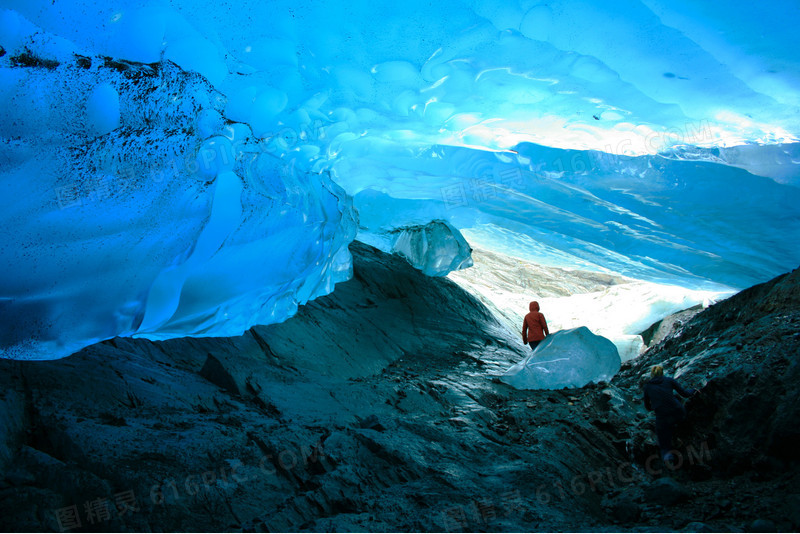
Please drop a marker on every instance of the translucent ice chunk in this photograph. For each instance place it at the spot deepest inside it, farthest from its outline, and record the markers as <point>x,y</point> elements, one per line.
<point>566,359</point>
<point>435,249</point>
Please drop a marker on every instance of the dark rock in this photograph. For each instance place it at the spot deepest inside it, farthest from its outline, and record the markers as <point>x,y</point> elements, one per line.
<point>111,419</point>
<point>745,415</point>
<point>344,436</point>
<point>698,526</point>
<point>667,491</point>
<point>19,477</point>
<point>762,525</point>
<point>625,511</point>
<point>793,508</point>
<point>699,472</point>
<point>623,506</point>
<point>371,422</point>
<point>215,372</point>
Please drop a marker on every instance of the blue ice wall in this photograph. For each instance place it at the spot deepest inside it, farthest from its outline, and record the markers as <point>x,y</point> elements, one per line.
<point>179,168</point>
<point>132,206</point>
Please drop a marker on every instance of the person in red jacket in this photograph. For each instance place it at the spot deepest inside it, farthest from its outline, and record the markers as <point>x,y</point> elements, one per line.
<point>534,327</point>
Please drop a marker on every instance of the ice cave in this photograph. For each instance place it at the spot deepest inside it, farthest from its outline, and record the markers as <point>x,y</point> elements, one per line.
<point>193,181</point>
<point>166,175</point>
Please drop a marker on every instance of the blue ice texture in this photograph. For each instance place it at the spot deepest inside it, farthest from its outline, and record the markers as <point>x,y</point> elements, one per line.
<point>570,358</point>
<point>192,168</point>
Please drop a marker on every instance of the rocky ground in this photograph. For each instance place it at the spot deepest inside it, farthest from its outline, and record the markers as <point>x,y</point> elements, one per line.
<point>742,354</point>
<point>377,408</point>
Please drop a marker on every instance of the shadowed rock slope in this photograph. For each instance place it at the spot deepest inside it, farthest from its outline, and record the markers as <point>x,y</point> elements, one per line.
<point>742,355</point>
<point>377,408</point>
<point>372,409</point>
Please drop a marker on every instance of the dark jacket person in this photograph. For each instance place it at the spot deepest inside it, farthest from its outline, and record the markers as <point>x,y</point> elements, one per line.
<point>534,327</point>
<point>659,398</point>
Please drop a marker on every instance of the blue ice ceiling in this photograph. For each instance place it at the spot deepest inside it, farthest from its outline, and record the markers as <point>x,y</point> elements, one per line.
<point>194,168</point>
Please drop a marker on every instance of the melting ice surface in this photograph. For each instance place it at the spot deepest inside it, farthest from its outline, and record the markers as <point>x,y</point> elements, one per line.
<point>569,358</point>
<point>173,168</point>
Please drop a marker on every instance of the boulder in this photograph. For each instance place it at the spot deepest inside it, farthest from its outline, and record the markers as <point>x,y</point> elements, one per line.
<point>667,491</point>
<point>566,359</point>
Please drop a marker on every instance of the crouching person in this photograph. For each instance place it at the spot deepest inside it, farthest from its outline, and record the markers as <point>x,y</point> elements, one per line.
<point>659,398</point>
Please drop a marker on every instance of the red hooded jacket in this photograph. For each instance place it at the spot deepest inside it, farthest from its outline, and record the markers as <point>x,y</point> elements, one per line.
<point>534,327</point>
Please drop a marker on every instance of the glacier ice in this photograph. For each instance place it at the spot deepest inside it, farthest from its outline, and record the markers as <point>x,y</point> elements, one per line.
<point>436,248</point>
<point>568,358</point>
<point>663,219</point>
<point>413,231</point>
<point>175,168</point>
<point>614,307</point>
<point>130,219</point>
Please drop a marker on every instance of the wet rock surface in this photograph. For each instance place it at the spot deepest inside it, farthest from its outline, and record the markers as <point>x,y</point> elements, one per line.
<point>378,408</point>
